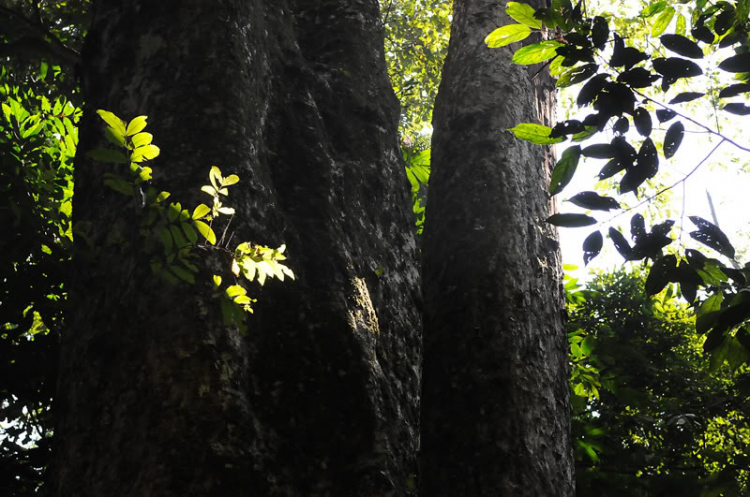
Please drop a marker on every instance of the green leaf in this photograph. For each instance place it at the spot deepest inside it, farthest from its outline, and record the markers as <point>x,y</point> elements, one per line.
<point>215,176</point>
<point>567,220</point>
<point>189,232</point>
<point>680,27</point>
<point>201,211</point>
<point>230,180</point>
<point>162,196</point>
<point>565,169</point>
<point>662,21</point>
<point>183,274</point>
<point>588,344</point>
<point>206,231</point>
<point>235,291</point>
<point>165,237</point>
<point>524,14</point>
<point>506,35</point>
<point>111,119</point>
<point>174,211</point>
<point>536,53</point>
<point>179,239</point>
<point>217,280</point>
<point>141,139</point>
<point>147,152</point>
<point>535,133</point>
<point>108,155</point>
<point>136,125</point>
<point>114,137</point>
<point>119,185</point>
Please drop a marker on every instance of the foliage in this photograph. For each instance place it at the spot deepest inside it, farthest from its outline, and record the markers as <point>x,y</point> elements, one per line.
<point>416,42</point>
<point>38,139</point>
<point>170,232</point>
<point>650,416</point>
<point>624,85</point>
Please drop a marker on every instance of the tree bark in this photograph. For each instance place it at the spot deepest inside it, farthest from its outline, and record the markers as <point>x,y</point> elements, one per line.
<point>495,401</point>
<point>156,396</point>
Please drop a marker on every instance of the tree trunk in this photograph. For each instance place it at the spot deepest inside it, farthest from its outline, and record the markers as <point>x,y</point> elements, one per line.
<point>156,396</point>
<point>495,401</point>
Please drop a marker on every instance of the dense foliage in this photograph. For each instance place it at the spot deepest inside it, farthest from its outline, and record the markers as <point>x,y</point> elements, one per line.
<point>651,415</point>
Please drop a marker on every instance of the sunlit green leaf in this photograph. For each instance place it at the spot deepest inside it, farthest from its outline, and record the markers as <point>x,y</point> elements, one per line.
<point>536,53</point>
<point>535,133</point>
<point>136,125</point>
<point>110,119</point>
<point>206,231</point>
<point>523,13</point>
<point>506,35</point>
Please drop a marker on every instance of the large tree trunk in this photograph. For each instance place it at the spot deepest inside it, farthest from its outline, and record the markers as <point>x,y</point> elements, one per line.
<point>156,396</point>
<point>495,401</point>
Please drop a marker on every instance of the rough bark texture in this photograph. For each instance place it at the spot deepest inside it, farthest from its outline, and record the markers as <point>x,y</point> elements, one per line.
<point>495,402</point>
<point>158,397</point>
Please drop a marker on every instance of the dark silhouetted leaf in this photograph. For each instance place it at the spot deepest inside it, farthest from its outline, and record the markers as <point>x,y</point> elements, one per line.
<point>701,32</point>
<point>682,46</point>
<point>724,21</point>
<point>622,245</point>
<point>578,39</point>
<point>574,54</point>
<point>673,139</point>
<point>650,244</point>
<point>591,89</point>
<point>686,97</point>
<point>594,201</point>
<point>621,126</point>
<point>638,77</point>
<point>592,246</point>
<point>637,227</point>
<point>611,168</point>
<point>576,75</point>
<point>735,36</point>
<point>710,235</point>
<point>599,32</point>
<point>735,314</point>
<point>737,108</point>
<point>646,167</point>
<point>734,90</point>
<point>660,274</point>
<point>675,67</point>
<point>664,115</point>
<point>615,100</point>
<point>642,121</point>
<point>736,63</point>
<point>648,158</point>
<point>599,151</point>
<point>625,56</point>
<point>564,169</point>
<point>714,340</point>
<point>571,220</point>
<point>565,128</point>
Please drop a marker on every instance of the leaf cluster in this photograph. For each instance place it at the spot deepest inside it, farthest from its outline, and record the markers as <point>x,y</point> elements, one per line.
<point>613,76</point>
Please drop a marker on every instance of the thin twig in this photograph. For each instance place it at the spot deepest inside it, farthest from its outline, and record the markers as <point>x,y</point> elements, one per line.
<point>709,130</point>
